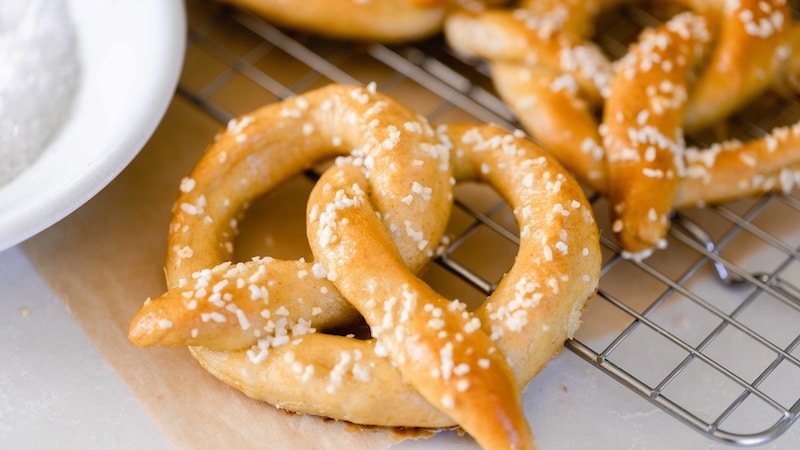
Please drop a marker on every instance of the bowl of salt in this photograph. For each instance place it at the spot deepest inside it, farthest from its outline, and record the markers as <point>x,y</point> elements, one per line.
<point>83,86</point>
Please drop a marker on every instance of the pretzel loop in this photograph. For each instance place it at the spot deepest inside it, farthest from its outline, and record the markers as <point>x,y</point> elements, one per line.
<point>258,152</point>
<point>438,364</point>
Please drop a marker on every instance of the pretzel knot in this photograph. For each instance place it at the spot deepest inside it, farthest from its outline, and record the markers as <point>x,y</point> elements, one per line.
<point>374,219</point>
<point>684,75</point>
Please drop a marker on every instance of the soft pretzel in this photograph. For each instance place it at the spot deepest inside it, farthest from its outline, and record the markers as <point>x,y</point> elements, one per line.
<point>388,21</point>
<point>437,364</point>
<point>555,107</point>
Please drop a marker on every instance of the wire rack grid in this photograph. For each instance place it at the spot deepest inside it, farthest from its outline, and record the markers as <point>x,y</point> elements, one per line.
<point>672,328</point>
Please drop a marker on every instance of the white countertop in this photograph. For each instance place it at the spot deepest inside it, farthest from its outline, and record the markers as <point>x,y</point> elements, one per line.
<point>56,389</point>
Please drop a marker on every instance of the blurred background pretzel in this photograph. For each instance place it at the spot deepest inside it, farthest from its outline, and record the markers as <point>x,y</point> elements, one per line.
<point>542,75</point>
<point>387,21</point>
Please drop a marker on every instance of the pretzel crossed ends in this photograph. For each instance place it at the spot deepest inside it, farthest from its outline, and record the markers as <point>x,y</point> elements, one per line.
<point>687,74</point>
<point>375,217</point>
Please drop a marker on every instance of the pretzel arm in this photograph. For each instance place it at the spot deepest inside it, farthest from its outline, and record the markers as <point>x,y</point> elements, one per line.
<point>736,169</point>
<point>537,304</point>
<point>550,107</point>
<point>506,36</point>
<point>750,47</point>
<point>328,376</point>
<point>291,295</point>
<point>642,133</point>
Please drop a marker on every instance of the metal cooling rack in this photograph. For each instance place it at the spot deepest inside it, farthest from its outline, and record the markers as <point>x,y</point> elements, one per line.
<point>663,327</point>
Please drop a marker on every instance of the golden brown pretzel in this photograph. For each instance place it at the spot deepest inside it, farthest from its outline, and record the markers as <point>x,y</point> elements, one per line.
<point>559,111</point>
<point>460,367</point>
<point>388,21</point>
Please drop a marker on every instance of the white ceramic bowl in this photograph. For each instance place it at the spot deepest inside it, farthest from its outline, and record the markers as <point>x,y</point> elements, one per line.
<point>131,55</point>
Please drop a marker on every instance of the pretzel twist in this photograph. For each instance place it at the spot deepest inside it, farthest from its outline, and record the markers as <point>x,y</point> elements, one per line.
<point>259,325</point>
<point>744,49</point>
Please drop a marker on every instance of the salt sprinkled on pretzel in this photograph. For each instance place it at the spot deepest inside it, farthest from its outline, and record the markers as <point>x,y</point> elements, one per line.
<point>437,363</point>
